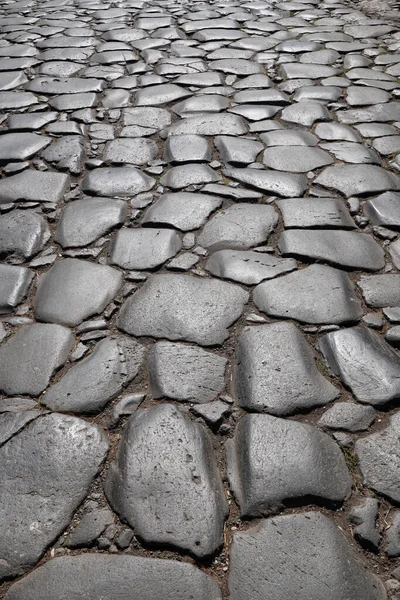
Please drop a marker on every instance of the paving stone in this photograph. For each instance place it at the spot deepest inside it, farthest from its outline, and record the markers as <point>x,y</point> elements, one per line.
<point>380,290</point>
<point>21,146</point>
<point>269,358</point>
<point>89,528</point>
<point>30,121</point>
<point>298,70</point>
<point>11,422</point>
<point>34,186</point>
<point>339,248</point>
<point>272,461</point>
<point>315,212</point>
<point>336,131</point>
<point>118,181</point>
<point>352,153</point>
<point>66,102</point>
<point>282,184</point>
<point>305,113</point>
<point>329,93</point>
<point>348,416</point>
<point>305,552</point>
<point>361,96</point>
<point>113,577</point>
<point>15,282</point>
<point>187,149</point>
<point>248,268</point>
<point>97,379</point>
<point>364,516</point>
<point>67,85</point>
<point>42,349</point>
<point>15,100</point>
<point>358,180</point>
<point>317,294</point>
<point>188,505</point>
<point>379,113</point>
<point>298,159</point>
<point>12,79</point>
<point>67,153</point>
<point>160,94</point>
<point>154,118</point>
<point>84,221</point>
<point>364,363</point>
<point>182,210</point>
<point>44,489</point>
<point>378,460</point>
<point>73,290</point>
<point>387,145</point>
<point>392,547</point>
<point>183,176</point>
<point>185,372</point>
<point>237,151</point>
<point>239,227</point>
<point>134,151</point>
<point>201,104</point>
<point>22,233</point>
<point>143,248</point>
<point>183,307</point>
<point>289,137</point>
<point>210,124</point>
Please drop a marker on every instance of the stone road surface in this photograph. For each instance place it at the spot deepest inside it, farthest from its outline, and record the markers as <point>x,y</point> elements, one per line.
<point>200,301</point>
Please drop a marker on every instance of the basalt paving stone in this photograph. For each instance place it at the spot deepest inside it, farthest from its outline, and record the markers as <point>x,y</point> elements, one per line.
<point>348,249</point>
<point>298,70</point>
<point>210,78</point>
<point>73,101</point>
<point>12,79</point>
<point>352,153</point>
<point>380,113</point>
<point>21,146</point>
<point>361,96</point>
<point>348,416</point>
<point>329,93</point>
<point>380,290</point>
<point>160,94</point>
<point>337,132</point>
<point>269,358</point>
<point>248,268</point>
<point>73,290</point>
<point>239,227</point>
<point>305,113</point>
<point>12,422</point>
<point>154,118</point>
<point>67,153</point>
<point>237,151</point>
<point>84,221</point>
<point>358,180</point>
<point>118,181</point>
<point>364,362</point>
<point>113,578</point>
<point>384,210</point>
<point>34,186</point>
<point>183,176</point>
<point>378,456</point>
<point>269,96</point>
<point>258,80</point>
<point>298,159</point>
<point>387,145</point>
<point>15,282</point>
<point>286,185</point>
<point>304,552</point>
<point>22,233</point>
<point>69,85</point>
<point>317,294</point>
<point>165,482</point>
<point>315,212</point>
<point>272,461</point>
<point>255,112</point>
<point>41,349</point>
<point>184,372</point>
<point>44,488</point>
<point>289,137</point>
<point>182,210</point>
<point>237,66</point>
<point>31,121</point>
<point>209,124</point>
<point>200,104</point>
<point>143,248</point>
<point>94,381</point>
<point>135,151</point>
<point>183,307</point>
<point>186,149</point>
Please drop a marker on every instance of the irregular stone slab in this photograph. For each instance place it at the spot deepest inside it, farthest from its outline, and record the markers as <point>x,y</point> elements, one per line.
<point>182,210</point>
<point>348,416</point>
<point>339,248</point>
<point>280,184</point>
<point>379,113</point>
<point>134,151</point>
<point>11,422</point>
<point>21,146</point>
<point>316,294</point>
<point>212,103</point>
<point>237,151</point>
<point>289,137</point>
<point>15,282</point>
<point>165,482</point>
<point>89,528</point>
<point>154,118</point>
<point>273,461</point>
<point>306,113</point>
<point>297,159</point>
<point>192,174</point>
<point>119,181</point>
<point>144,248</point>
<point>239,226</point>
<point>384,210</point>
<point>247,267</point>
<point>380,291</point>
<point>275,371</point>
<point>212,124</point>
<point>14,100</point>
<point>30,121</point>
<point>237,66</point>
<point>66,85</point>
<point>303,554</point>
<point>97,379</point>
<point>364,515</point>
<point>12,79</point>
<point>41,349</point>
<point>73,290</point>
<point>185,372</point>
<point>364,362</point>
<point>34,186</point>
<point>298,71</point>
<point>183,308</point>
<point>114,577</point>
<point>73,101</point>
<point>315,212</point>
<point>84,221</point>
<point>44,488</point>
<point>186,148</point>
<point>378,456</point>
<point>392,547</point>
<point>157,95</point>
<point>358,180</point>
<point>352,153</point>
<point>335,131</point>
<point>67,153</point>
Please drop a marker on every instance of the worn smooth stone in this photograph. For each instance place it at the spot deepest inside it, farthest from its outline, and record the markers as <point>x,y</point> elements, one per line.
<point>11,422</point>
<point>273,461</point>
<point>67,85</point>
<point>297,159</point>
<point>183,176</point>
<point>84,221</point>
<point>34,186</point>
<point>201,104</point>
<point>249,268</point>
<point>299,70</point>
<point>379,113</point>
<point>30,121</point>
<point>183,308</point>
<point>387,145</point>
<point>118,181</point>
<point>160,94</point>
<point>15,282</point>
<point>304,552</point>
<point>329,93</point>
<point>348,416</point>
<point>358,180</point>
<point>14,100</point>
<point>42,349</point>
<point>380,290</point>
<point>392,547</point>
<point>21,146</point>
<point>12,79</point>
<point>185,372</point>
<point>361,96</point>
<point>165,482</point>
<point>144,248</point>
<point>22,233</point>
<point>155,118</point>
<point>66,102</point>
<point>182,210</point>
<point>317,294</point>
<point>186,149</point>
<point>352,153</point>
<point>384,210</point>
<point>239,227</point>
<point>364,362</point>
<point>378,456</point>
<point>269,358</point>
<point>289,137</point>
<point>315,212</point>
<point>94,381</point>
<point>305,113</point>
<point>134,151</point>
<point>336,131</point>
<point>73,290</point>
<point>339,248</point>
<point>210,124</point>
<point>237,151</point>
<point>113,577</point>
<point>89,528</point>
<point>281,184</point>
<point>44,488</point>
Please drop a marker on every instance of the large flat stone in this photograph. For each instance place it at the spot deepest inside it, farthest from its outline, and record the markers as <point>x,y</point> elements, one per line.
<point>34,186</point>
<point>182,210</point>
<point>118,181</point>
<point>315,212</point>
<point>358,180</point>
<point>285,185</point>
<point>15,282</point>
<point>247,267</point>
<point>144,248</point>
<point>22,233</point>
<point>380,291</point>
<point>21,146</point>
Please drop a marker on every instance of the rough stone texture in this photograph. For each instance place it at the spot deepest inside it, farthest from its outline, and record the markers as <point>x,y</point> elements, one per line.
<point>315,212</point>
<point>182,210</point>
<point>247,267</point>
<point>165,482</point>
<point>271,461</point>
<point>348,416</point>
<point>364,517</point>
<point>34,186</point>
<point>118,181</point>
<point>15,282</point>
<point>22,233</point>
<point>142,248</point>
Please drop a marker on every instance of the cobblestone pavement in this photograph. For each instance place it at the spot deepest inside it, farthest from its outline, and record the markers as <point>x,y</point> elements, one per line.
<point>200,301</point>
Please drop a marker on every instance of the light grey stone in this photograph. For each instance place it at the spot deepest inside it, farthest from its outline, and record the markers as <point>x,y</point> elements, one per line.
<point>281,184</point>
<point>350,152</point>
<point>380,290</point>
<point>144,248</point>
<point>298,159</point>
<point>134,151</point>
<point>289,137</point>
<point>160,94</point>
<point>182,210</point>
<point>358,180</point>
<point>247,267</point>
<point>34,186</point>
<point>11,422</point>
<point>306,113</point>
<point>348,416</point>
<point>210,124</point>
<point>237,151</point>
<point>183,176</point>
<point>89,528</point>
<point>364,516</point>
<point>118,181</point>
<point>186,148</point>
<point>315,212</point>
<point>21,146</point>
<point>15,282</point>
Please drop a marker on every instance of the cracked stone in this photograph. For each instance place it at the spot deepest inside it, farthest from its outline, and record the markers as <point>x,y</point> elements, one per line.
<point>358,180</point>
<point>182,210</point>
<point>118,181</point>
<point>285,185</point>
<point>247,267</point>
<point>15,282</point>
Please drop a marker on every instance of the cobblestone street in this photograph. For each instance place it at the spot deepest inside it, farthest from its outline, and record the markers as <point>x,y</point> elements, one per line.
<point>199,301</point>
